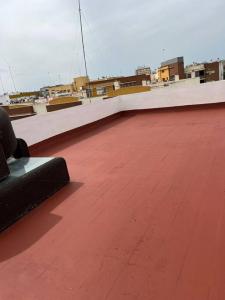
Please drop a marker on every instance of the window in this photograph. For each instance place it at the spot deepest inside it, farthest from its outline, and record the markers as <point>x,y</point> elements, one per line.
<point>101,91</point>
<point>127,84</point>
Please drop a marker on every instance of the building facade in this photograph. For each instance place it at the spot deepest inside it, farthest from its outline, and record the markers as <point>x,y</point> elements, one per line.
<point>212,71</point>
<point>195,70</point>
<point>163,74</point>
<point>143,71</point>
<point>222,70</point>
<point>207,72</point>
<point>79,83</point>
<point>172,70</point>
<point>44,91</point>
<point>61,90</point>
<point>107,85</point>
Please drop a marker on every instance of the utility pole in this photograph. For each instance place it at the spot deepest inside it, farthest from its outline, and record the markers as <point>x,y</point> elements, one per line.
<point>83,46</point>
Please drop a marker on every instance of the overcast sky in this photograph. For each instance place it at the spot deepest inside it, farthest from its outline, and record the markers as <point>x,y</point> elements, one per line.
<point>40,39</point>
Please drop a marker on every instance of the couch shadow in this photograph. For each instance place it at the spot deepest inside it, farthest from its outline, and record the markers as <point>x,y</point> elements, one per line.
<point>31,228</point>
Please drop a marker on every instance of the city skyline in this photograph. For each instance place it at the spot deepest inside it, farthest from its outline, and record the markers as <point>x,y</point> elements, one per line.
<point>41,42</point>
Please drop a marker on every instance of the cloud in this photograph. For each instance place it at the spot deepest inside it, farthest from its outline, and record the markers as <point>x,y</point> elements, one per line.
<point>3,70</point>
<point>40,39</point>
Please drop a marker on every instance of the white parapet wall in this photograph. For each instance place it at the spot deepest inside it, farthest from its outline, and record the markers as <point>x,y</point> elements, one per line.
<point>44,126</point>
<point>173,96</point>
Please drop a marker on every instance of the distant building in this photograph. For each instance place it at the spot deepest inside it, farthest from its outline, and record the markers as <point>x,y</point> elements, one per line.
<point>143,71</point>
<point>212,71</point>
<point>208,71</point>
<point>222,70</point>
<point>104,86</point>
<point>79,83</point>
<point>4,99</point>
<point>172,70</point>
<point>154,76</point>
<point>195,70</point>
<point>44,91</point>
<point>164,74</point>
<point>60,90</point>
<point>22,97</point>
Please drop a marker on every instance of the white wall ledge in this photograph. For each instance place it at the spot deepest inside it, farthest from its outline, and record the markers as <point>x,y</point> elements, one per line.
<point>44,126</point>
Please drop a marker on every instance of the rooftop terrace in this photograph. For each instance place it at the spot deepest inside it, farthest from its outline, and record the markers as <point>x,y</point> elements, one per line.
<point>144,216</point>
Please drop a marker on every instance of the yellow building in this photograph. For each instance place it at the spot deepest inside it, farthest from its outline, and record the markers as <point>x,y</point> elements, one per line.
<point>80,82</point>
<point>101,87</point>
<point>129,90</point>
<point>107,86</point>
<point>163,73</point>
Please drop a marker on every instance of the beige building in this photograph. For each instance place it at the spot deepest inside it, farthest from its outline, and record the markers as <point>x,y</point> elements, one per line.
<point>207,71</point>
<point>106,86</point>
<point>79,83</point>
<point>143,71</point>
<point>60,90</point>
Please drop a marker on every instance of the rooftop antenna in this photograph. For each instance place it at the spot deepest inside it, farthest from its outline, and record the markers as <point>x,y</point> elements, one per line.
<point>2,85</point>
<point>12,78</point>
<point>10,74</point>
<point>163,51</point>
<point>83,46</point>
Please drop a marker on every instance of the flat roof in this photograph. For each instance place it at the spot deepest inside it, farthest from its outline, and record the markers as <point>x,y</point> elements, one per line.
<point>121,79</point>
<point>143,217</point>
<point>173,61</point>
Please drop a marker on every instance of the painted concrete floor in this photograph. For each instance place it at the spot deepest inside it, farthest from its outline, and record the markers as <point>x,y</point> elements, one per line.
<point>144,216</point>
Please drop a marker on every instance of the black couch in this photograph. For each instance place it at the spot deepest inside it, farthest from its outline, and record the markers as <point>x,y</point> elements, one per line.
<point>25,181</point>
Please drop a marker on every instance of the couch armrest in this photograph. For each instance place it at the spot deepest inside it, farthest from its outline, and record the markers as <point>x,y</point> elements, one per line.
<point>22,149</point>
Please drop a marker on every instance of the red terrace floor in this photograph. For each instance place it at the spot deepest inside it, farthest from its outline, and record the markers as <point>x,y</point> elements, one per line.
<point>144,216</point>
